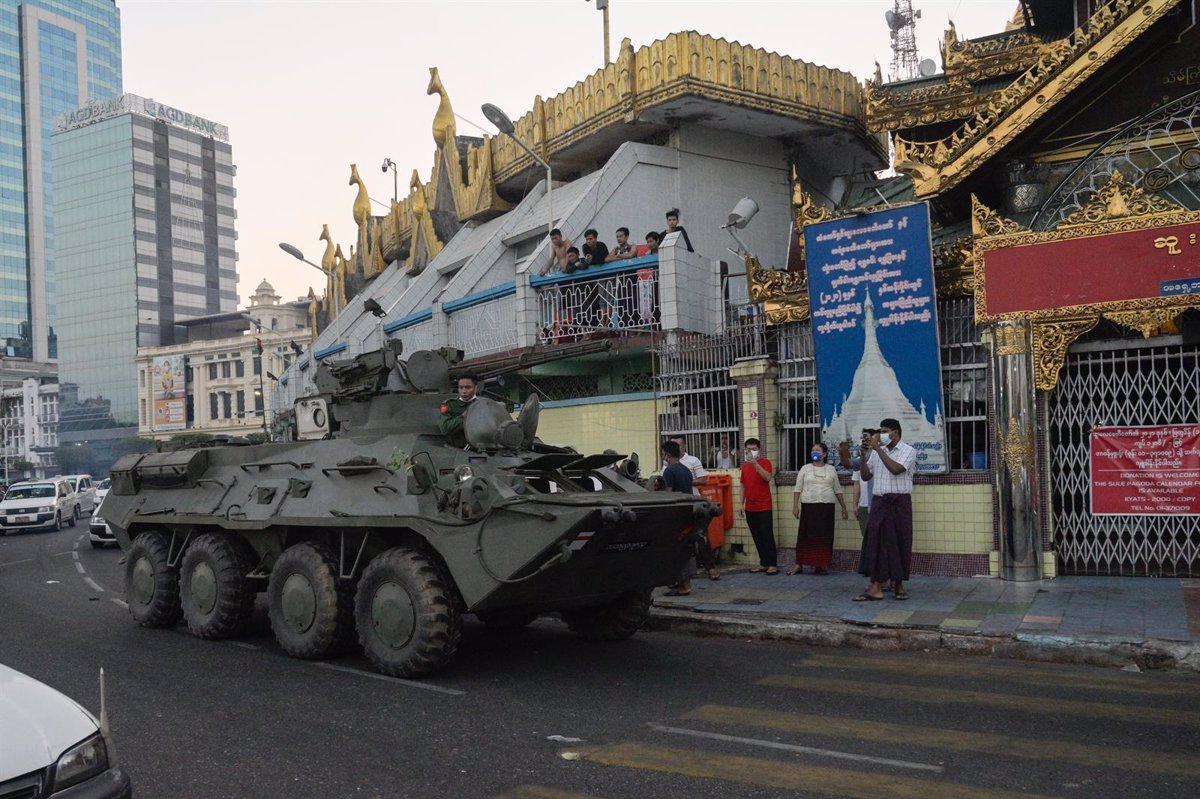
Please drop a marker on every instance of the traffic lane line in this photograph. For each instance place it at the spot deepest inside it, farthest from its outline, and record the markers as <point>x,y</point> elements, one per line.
<point>376,676</point>
<point>92,584</point>
<point>913,667</point>
<point>540,792</point>
<point>781,774</point>
<point>956,740</point>
<point>1055,707</point>
<point>797,749</point>
<point>15,562</point>
<point>120,602</point>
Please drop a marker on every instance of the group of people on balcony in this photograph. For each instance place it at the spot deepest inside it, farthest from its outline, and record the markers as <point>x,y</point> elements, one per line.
<point>565,257</point>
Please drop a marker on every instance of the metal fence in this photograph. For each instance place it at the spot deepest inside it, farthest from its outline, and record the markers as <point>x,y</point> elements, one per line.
<point>485,328</point>
<point>614,303</point>
<point>798,404</point>
<point>697,398</point>
<point>1119,383</point>
<point>965,365</point>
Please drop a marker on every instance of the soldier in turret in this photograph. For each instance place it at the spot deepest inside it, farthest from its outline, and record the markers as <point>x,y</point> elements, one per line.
<point>453,409</point>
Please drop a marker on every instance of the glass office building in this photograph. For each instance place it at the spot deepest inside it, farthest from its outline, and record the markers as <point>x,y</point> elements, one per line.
<point>144,238</point>
<point>55,56</point>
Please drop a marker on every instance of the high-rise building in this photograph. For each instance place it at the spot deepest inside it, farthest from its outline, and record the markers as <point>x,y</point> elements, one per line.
<point>145,239</point>
<point>55,56</point>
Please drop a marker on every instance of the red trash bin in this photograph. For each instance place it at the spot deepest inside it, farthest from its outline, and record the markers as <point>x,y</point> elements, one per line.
<point>718,488</point>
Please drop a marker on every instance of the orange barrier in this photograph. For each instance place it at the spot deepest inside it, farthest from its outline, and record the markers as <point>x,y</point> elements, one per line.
<point>719,488</point>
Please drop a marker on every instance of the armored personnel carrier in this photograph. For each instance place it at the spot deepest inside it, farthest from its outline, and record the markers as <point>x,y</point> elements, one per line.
<point>373,525</point>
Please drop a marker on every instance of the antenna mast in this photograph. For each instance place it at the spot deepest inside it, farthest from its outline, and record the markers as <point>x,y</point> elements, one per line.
<point>902,22</point>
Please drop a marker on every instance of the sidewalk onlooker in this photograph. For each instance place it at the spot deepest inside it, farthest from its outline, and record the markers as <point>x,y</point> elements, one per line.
<point>699,476</point>
<point>623,249</point>
<point>573,263</point>
<point>677,477</point>
<point>888,548</point>
<point>704,553</point>
<point>758,506</point>
<point>558,253</point>
<point>862,512</point>
<point>673,226</point>
<point>817,488</point>
<point>594,252</point>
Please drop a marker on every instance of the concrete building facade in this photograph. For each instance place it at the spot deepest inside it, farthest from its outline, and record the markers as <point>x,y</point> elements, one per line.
<point>146,233</point>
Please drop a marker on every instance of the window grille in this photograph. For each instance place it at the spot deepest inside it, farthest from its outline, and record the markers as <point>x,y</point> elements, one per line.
<point>964,385</point>
<point>798,404</point>
<point>697,399</point>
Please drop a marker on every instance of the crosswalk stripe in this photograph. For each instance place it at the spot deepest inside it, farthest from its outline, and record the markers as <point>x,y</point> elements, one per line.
<point>1132,683</point>
<point>541,792</point>
<point>1187,765</point>
<point>895,692</point>
<point>784,775</point>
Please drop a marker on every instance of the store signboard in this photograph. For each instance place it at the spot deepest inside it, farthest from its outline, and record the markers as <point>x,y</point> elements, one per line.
<point>1146,471</point>
<point>170,392</point>
<point>874,324</point>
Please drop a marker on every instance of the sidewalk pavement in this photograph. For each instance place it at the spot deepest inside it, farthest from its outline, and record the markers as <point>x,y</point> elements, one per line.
<point>1148,622</point>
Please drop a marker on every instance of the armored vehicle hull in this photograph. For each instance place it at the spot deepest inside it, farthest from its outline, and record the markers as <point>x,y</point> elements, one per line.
<point>380,528</point>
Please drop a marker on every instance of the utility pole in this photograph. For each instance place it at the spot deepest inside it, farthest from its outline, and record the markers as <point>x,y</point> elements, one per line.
<point>602,6</point>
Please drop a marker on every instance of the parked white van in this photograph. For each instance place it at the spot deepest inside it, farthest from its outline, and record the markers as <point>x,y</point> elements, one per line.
<point>39,505</point>
<point>85,493</point>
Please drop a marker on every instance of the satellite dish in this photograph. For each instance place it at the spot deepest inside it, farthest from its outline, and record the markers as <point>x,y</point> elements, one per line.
<point>927,67</point>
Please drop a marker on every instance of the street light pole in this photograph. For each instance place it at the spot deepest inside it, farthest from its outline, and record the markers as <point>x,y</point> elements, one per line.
<point>505,125</point>
<point>299,256</point>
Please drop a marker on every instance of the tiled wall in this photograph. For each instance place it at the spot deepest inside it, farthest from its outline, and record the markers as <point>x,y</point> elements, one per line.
<point>952,529</point>
<point>597,424</point>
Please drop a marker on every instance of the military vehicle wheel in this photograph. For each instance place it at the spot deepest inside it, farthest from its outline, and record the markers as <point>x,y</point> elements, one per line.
<point>507,619</point>
<point>311,610</point>
<point>151,585</point>
<point>615,621</point>
<point>217,599</point>
<point>406,614</point>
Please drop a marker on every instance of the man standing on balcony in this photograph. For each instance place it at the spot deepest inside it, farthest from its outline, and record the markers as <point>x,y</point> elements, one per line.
<point>453,410</point>
<point>558,252</point>
<point>623,248</point>
<point>673,226</point>
<point>595,252</point>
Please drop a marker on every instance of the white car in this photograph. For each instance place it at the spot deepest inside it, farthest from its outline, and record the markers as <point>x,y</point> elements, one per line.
<point>102,490</point>
<point>38,505</point>
<point>85,493</point>
<point>50,746</point>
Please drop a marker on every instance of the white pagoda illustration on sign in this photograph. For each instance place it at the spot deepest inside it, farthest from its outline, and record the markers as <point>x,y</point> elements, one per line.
<point>875,394</point>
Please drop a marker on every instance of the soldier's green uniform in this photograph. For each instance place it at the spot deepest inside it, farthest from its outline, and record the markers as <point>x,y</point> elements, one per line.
<point>451,423</point>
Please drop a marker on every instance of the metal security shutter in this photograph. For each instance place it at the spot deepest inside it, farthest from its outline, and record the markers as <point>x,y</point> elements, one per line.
<point>1134,382</point>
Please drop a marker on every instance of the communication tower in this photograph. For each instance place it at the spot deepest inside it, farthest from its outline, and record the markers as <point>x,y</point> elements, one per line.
<point>902,22</point>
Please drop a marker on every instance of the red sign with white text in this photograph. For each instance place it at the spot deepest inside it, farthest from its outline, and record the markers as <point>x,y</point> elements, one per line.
<point>1146,471</point>
<point>1131,265</point>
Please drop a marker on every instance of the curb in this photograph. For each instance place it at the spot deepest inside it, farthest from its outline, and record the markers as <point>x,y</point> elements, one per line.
<point>1149,654</point>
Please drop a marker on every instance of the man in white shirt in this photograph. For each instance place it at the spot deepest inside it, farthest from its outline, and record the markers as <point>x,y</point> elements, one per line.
<point>887,552</point>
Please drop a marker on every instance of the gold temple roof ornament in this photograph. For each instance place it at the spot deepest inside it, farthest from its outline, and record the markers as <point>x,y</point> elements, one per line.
<point>1058,69</point>
<point>1117,207</point>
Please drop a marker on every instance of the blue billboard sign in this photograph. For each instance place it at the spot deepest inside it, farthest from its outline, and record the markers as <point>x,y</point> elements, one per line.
<point>874,327</point>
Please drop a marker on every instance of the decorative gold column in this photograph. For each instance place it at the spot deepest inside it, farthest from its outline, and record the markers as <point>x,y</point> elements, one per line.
<point>1016,474</point>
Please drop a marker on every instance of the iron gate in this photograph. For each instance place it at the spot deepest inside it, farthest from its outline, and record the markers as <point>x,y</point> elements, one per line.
<point>1132,382</point>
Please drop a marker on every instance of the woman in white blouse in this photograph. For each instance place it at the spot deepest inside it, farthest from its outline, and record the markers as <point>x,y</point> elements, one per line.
<point>812,503</point>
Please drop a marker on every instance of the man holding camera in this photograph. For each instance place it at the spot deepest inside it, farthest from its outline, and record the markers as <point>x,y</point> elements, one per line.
<point>887,551</point>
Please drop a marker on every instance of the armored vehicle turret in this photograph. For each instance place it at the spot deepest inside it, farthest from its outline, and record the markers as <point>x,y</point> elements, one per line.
<point>372,525</point>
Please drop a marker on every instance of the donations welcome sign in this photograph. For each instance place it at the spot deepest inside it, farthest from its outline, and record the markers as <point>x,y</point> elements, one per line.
<point>874,326</point>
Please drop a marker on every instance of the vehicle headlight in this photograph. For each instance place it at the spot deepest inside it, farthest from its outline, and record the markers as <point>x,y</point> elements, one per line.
<point>463,473</point>
<point>96,520</point>
<point>45,509</point>
<point>81,762</point>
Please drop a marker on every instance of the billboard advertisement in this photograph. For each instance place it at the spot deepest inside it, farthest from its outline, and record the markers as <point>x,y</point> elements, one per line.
<point>1146,471</point>
<point>170,392</point>
<point>874,327</point>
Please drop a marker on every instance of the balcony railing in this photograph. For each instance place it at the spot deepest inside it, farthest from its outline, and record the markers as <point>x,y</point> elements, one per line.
<point>485,322</point>
<point>619,297</point>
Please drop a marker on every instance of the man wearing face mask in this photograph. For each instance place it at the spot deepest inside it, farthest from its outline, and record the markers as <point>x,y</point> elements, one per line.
<point>757,506</point>
<point>888,549</point>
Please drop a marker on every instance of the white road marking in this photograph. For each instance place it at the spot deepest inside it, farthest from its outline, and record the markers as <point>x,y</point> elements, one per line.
<point>60,554</point>
<point>804,750</point>
<point>75,554</point>
<point>93,584</point>
<point>120,602</point>
<point>79,567</point>
<point>244,645</point>
<point>410,683</point>
<point>15,562</point>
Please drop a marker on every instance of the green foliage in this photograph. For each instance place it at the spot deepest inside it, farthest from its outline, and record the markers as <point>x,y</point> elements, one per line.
<point>257,438</point>
<point>76,459</point>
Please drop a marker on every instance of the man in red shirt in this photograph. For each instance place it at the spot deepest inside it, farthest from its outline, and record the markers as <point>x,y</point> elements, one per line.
<point>757,506</point>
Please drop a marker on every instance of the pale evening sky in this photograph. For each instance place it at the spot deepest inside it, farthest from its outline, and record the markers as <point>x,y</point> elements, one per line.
<point>308,87</point>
